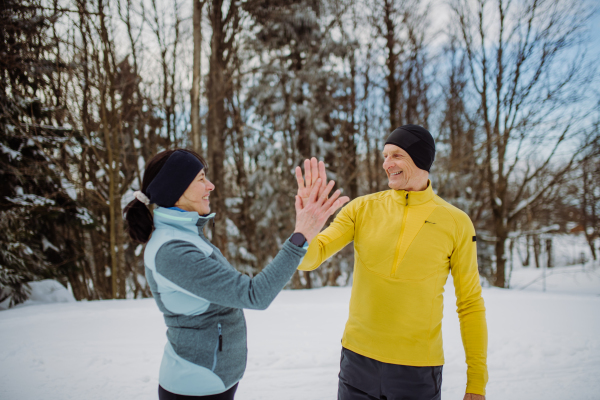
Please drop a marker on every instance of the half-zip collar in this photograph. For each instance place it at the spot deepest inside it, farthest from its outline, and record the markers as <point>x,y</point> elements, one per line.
<point>189,221</point>
<point>413,198</point>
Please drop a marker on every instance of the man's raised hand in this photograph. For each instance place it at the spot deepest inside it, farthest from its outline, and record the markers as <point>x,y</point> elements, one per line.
<point>313,214</point>
<point>313,170</point>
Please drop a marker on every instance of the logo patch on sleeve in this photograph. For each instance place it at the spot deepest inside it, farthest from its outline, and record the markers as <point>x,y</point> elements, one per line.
<point>474,238</point>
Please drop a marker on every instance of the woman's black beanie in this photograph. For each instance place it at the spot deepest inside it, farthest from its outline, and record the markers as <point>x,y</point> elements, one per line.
<point>417,142</point>
<point>173,178</point>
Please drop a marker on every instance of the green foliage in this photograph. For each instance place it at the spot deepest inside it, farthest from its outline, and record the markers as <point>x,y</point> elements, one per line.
<point>36,211</point>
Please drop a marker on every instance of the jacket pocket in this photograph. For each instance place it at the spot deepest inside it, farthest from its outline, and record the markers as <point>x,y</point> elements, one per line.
<point>436,374</point>
<point>218,346</point>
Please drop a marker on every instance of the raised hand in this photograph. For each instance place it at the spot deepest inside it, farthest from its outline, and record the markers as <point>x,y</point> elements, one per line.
<point>313,170</point>
<point>312,214</point>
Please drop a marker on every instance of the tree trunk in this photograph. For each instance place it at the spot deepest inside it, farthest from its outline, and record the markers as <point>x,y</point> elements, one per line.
<point>216,123</point>
<point>393,90</point>
<point>511,248</point>
<point>500,280</point>
<point>536,250</point>
<point>349,146</point>
<point>308,278</point>
<point>334,274</point>
<point>296,282</point>
<point>549,254</point>
<point>527,251</point>
<point>196,78</point>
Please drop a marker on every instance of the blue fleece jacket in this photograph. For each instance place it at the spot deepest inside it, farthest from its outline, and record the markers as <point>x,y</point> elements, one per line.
<point>202,296</point>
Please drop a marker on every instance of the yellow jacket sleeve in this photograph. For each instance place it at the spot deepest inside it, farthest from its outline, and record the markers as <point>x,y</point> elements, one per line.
<point>331,240</point>
<point>470,305</point>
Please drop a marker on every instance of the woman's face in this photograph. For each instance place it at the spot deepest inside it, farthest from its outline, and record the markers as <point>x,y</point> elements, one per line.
<point>195,197</point>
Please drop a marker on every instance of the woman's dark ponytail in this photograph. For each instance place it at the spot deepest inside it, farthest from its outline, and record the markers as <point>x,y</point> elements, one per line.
<point>138,216</point>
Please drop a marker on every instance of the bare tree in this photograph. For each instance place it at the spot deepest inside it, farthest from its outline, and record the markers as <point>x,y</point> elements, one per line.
<point>225,28</point>
<point>196,76</point>
<point>528,76</point>
<point>403,27</point>
<point>589,191</point>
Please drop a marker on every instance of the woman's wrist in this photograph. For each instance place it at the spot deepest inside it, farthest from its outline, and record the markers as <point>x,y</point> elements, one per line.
<point>298,239</point>
<point>306,233</point>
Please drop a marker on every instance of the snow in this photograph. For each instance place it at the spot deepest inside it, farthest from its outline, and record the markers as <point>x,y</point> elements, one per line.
<point>541,345</point>
<point>84,216</point>
<point>12,154</point>
<point>69,188</point>
<point>46,244</point>
<point>232,229</point>
<point>30,200</point>
<point>43,292</point>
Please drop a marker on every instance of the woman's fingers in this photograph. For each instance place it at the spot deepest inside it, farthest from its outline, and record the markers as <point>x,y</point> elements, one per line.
<point>314,191</point>
<point>325,192</point>
<point>338,203</point>
<point>333,198</point>
<point>298,204</point>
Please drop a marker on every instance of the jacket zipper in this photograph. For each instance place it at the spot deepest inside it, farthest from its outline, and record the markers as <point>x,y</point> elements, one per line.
<point>218,347</point>
<point>395,267</point>
<point>220,339</point>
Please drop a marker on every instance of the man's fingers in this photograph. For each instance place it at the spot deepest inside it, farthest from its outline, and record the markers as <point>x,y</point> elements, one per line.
<point>322,172</point>
<point>322,175</point>
<point>307,173</point>
<point>299,178</point>
<point>314,170</point>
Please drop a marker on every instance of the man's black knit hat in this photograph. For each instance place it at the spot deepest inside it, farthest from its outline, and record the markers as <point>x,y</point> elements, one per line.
<point>417,142</point>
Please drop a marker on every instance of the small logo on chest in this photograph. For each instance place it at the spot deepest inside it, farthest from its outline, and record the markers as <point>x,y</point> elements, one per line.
<point>429,222</point>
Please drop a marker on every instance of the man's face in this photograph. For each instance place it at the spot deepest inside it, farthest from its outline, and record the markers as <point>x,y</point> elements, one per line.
<point>401,170</point>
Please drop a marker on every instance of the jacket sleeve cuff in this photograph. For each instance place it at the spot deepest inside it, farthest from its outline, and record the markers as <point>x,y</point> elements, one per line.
<point>475,389</point>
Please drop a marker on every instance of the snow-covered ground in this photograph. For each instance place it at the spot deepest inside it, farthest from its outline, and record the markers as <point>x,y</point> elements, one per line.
<point>541,345</point>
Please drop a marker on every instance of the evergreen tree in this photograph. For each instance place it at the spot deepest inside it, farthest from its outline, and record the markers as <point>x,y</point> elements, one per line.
<point>39,218</point>
<point>293,97</point>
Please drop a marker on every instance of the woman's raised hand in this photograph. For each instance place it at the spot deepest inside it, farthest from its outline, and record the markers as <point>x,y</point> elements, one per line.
<point>312,213</point>
<point>313,170</point>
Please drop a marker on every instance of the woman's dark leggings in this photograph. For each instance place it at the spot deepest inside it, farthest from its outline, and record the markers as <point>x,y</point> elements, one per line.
<point>166,395</point>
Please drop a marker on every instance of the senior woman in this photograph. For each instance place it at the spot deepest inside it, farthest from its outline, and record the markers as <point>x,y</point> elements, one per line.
<point>200,294</point>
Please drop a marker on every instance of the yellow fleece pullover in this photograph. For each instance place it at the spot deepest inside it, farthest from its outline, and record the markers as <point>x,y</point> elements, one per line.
<point>405,244</point>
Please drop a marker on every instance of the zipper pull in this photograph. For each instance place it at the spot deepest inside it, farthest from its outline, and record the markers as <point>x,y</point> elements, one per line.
<point>213,220</point>
<point>407,199</point>
<point>220,339</point>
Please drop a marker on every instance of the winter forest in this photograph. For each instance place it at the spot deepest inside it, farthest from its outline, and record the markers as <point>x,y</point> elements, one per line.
<point>91,90</point>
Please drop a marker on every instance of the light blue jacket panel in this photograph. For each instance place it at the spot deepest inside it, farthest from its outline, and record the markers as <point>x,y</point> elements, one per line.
<point>201,296</point>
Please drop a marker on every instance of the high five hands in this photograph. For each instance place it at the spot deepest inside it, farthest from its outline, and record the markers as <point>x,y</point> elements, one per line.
<point>313,207</point>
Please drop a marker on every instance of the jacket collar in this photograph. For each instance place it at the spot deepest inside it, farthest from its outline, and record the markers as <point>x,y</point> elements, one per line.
<point>414,198</point>
<point>189,221</point>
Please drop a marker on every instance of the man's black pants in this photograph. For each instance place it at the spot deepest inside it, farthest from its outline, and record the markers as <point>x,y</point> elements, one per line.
<point>362,378</point>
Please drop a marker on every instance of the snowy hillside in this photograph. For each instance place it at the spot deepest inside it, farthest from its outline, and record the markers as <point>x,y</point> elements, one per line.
<point>541,345</point>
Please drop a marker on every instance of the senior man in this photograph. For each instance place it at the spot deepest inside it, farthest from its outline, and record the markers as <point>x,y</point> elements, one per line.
<point>406,242</point>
